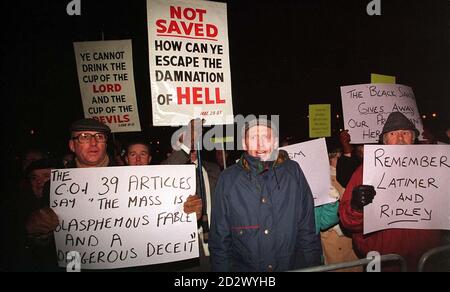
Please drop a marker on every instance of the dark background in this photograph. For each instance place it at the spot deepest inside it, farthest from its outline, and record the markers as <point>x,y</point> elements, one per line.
<point>284,55</point>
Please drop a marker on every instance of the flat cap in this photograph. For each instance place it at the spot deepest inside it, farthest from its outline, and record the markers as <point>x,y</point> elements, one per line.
<point>89,125</point>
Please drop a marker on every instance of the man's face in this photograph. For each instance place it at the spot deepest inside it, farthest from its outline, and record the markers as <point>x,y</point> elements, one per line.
<point>399,137</point>
<point>38,178</point>
<point>91,153</point>
<point>138,154</point>
<point>260,142</point>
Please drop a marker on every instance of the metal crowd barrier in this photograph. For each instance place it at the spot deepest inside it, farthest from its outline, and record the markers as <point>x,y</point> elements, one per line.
<point>361,262</point>
<point>431,253</point>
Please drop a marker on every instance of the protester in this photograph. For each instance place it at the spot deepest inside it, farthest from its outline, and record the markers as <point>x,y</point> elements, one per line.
<point>263,214</point>
<point>337,247</point>
<point>350,159</point>
<point>88,141</point>
<point>409,243</point>
<point>186,154</point>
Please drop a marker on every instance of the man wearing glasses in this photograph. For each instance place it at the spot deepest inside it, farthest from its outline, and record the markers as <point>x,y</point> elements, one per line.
<point>89,141</point>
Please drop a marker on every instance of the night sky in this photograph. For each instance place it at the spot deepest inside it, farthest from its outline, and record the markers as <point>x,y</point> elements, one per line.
<point>284,55</point>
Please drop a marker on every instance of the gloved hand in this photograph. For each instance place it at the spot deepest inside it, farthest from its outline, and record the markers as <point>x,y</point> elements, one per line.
<point>361,196</point>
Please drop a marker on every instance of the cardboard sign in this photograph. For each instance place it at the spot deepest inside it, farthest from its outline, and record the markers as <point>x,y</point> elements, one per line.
<point>105,74</point>
<point>120,217</point>
<point>366,108</point>
<point>312,156</point>
<point>412,184</point>
<point>189,62</point>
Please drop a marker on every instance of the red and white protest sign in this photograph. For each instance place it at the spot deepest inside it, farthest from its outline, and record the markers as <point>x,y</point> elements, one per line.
<point>189,62</point>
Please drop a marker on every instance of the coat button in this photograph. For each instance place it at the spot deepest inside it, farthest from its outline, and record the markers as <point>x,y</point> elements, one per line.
<point>264,200</point>
<point>266,232</point>
<point>270,268</point>
<point>241,232</point>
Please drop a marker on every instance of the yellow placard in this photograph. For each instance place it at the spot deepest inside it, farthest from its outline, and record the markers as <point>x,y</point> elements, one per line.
<point>378,78</point>
<point>319,120</point>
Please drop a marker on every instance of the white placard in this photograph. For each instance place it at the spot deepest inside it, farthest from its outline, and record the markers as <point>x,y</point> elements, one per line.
<point>189,62</point>
<point>312,156</point>
<point>105,74</point>
<point>367,106</point>
<point>120,217</point>
<point>412,184</point>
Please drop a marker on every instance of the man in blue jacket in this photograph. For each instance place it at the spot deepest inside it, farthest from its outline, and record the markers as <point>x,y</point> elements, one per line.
<point>263,214</point>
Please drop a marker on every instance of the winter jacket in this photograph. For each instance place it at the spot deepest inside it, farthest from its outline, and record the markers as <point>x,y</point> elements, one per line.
<point>263,218</point>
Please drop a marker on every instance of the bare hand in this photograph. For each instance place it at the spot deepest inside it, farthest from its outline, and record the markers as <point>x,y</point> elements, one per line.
<point>344,138</point>
<point>42,221</point>
<point>194,204</point>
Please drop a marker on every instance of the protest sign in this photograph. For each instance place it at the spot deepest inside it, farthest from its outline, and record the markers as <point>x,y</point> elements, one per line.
<point>367,106</point>
<point>120,217</point>
<point>378,78</point>
<point>319,120</point>
<point>105,74</point>
<point>312,156</point>
<point>189,62</point>
<point>412,184</point>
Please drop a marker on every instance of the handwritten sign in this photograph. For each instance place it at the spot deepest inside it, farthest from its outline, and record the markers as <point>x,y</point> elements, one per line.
<point>312,156</point>
<point>319,120</point>
<point>105,74</point>
<point>367,106</point>
<point>124,216</point>
<point>189,62</point>
<point>378,78</point>
<point>412,184</point>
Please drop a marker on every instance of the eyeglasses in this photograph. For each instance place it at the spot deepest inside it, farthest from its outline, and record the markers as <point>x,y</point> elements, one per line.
<point>84,138</point>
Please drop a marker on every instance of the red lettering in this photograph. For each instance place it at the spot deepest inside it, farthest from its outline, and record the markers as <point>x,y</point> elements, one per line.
<point>211,31</point>
<point>117,119</point>
<point>199,96</point>
<point>218,100</point>
<point>186,96</point>
<point>173,27</point>
<point>188,13</point>
<point>102,88</point>
<point>161,28</point>
<point>187,28</point>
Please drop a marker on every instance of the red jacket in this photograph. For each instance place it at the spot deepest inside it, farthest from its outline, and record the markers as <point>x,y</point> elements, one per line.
<point>411,244</point>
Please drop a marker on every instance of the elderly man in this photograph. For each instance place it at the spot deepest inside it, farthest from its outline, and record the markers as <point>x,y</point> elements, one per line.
<point>88,140</point>
<point>263,216</point>
<point>409,243</point>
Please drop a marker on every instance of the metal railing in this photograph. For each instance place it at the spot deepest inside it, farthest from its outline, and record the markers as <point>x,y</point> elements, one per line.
<point>431,253</point>
<point>361,262</point>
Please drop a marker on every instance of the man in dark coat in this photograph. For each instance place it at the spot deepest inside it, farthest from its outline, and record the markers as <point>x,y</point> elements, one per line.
<point>263,214</point>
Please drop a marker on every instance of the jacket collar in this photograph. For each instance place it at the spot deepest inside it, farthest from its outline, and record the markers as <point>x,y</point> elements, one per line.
<point>253,164</point>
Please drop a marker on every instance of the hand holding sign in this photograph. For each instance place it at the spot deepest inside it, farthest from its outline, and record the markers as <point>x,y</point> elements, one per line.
<point>362,196</point>
<point>194,204</point>
<point>42,221</point>
<point>344,138</point>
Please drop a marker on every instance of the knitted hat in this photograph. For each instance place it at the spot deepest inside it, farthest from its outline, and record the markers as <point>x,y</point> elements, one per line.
<point>398,121</point>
